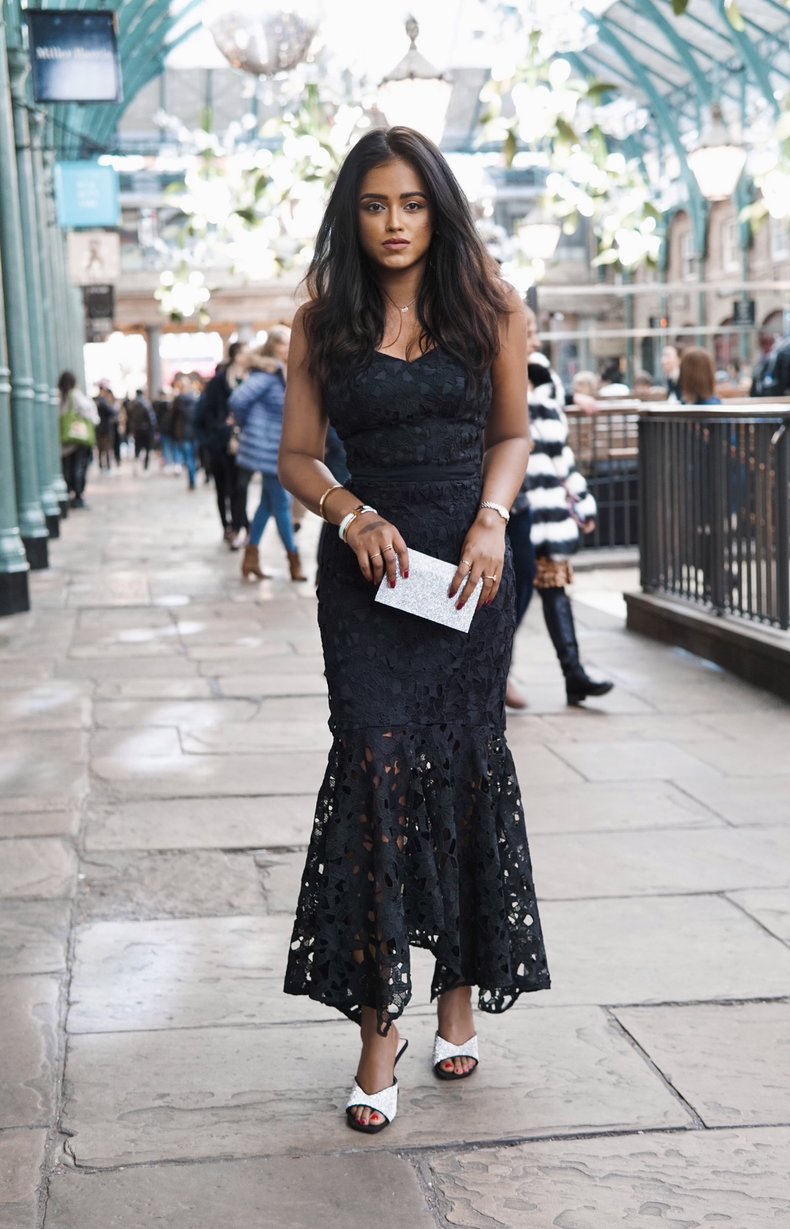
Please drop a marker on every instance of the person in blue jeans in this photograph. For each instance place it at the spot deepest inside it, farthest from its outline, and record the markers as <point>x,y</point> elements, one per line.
<point>257,407</point>
<point>183,426</point>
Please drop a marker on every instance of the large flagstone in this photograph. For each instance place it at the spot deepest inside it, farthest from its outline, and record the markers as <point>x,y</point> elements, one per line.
<point>145,884</point>
<point>42,867</point>
<point>21,1164</point>
<point>266,822</point>
<point>29,1051</point>
<point>33,936</point>
<point>199,776</point>
<point>205,1093</point>
<point>729,1061</point>
<point>334,1192</point>
<point>687,1180</point>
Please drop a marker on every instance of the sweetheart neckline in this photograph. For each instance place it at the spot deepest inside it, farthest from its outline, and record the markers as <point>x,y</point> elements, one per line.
<point>408,361</point>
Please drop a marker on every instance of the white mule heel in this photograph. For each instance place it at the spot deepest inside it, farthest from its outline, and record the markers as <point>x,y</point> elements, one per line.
<point>384,1102</point>
<point>444,1050</point>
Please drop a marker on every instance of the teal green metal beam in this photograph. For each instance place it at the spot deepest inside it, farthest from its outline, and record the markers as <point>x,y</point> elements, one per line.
<point>697,207</point>
<point>137,57</point>
<point>637,38</point>
<point>752,59</point>
<point>681,48</point>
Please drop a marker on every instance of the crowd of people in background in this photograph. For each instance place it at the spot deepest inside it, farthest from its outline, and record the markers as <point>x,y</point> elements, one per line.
<point>228,426</point>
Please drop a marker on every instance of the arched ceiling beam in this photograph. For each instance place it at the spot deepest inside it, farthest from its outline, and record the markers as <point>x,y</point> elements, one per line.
<point>637,38</point>
<point>141,45</point>
<point>752,59</point>
<point>605,69</point>
<point>697,206</point>
<point>681,47</point>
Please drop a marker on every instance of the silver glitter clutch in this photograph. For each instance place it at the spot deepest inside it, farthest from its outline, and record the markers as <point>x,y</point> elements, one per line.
<point>425,592</point>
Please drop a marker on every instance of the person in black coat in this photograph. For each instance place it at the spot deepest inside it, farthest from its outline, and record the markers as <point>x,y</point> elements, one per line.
<point>213,424</point>
<point>141,423</point>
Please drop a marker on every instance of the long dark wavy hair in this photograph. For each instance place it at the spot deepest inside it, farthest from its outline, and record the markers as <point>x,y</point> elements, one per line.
<point>462,297</point>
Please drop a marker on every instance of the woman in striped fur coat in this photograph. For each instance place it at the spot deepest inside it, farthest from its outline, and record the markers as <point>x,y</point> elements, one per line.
<point>561,507</point>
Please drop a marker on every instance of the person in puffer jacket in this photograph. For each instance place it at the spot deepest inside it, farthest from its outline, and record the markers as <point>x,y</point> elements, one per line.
<point>257,408</point>
<point>560,508</point>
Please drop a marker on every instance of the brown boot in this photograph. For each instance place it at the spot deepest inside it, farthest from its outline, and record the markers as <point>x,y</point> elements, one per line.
<point>295,565</point>
<point>250,564</point>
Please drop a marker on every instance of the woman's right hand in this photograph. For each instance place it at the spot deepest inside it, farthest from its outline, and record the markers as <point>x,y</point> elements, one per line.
<point>379,548</point>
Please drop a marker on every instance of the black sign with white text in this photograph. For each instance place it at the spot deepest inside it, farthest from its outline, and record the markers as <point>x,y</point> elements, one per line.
<point>74,56</point>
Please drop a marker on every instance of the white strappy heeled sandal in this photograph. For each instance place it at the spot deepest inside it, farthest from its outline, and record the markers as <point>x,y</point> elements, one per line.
<point>444,1050</point>
<point>384,1102</point>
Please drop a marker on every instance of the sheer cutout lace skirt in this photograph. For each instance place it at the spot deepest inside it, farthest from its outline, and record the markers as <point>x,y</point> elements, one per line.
<point>419,836</point>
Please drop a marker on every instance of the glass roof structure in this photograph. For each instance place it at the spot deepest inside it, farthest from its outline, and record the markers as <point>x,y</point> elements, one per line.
<point>672,68</point>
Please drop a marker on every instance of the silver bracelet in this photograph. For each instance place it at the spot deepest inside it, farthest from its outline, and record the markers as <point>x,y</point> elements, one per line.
<point>503,512</point>
<point>348,520</point>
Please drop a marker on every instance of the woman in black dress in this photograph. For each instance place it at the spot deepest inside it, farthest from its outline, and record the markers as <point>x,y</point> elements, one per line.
<point>415,351</point>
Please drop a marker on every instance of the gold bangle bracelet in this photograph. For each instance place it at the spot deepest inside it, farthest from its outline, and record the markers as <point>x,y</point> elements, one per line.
<point>336,486</point>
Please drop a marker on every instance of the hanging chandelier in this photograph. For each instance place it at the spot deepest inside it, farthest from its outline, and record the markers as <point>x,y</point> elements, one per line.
<point>415,94</point>
<point>261,37</point>
<point>718,160</point>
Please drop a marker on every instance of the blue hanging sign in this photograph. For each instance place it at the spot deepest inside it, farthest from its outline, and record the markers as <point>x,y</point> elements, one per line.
<point>74,56</point>
<point>87,195</point>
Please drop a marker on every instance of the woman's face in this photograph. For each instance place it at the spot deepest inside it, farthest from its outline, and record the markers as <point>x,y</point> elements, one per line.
<point>395,216</point>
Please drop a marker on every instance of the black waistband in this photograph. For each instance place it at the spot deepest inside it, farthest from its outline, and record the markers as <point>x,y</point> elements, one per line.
<point>416,473</point>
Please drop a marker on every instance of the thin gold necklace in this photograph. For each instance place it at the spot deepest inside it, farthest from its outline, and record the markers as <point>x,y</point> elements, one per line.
<point>408,305</point>
<point>401,318</point>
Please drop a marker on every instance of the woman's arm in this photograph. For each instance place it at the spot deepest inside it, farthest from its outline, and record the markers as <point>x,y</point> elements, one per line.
<point>508,446</point>
<point>302,470</point>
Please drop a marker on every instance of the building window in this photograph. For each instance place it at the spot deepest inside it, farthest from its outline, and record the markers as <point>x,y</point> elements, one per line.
<point>779,232</point>
<point>730,246</point>
<point>688,256</point>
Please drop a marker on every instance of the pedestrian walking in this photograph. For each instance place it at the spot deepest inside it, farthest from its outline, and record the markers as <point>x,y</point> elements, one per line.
<point>414,349</point>
<point>183,427</point>
<point>78,420</point>
<point>257,407</point>
<point>214,427</point>
<point>163,408</point>
<point>107,430</point>
<point>141,425</point>
<point>561,508</point>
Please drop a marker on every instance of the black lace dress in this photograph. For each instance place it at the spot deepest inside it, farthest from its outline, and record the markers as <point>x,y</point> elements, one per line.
<point>419,833</point>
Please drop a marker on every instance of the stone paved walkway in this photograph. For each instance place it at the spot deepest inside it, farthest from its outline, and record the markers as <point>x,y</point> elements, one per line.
<point>163,737</point>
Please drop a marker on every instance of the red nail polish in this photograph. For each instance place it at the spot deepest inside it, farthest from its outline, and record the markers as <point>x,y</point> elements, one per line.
<point>405,575</point>
<point>459,605</point>
<point>392,584</point>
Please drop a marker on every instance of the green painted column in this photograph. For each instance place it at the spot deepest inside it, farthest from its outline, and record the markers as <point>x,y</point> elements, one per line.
<point>42,190</point>
<point>54,240</point>
<point>19,67</point>
<point>14,567</point>
<point>32,524</point>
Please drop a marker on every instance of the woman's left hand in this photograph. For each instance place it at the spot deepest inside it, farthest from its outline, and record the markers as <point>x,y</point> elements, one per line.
<point>483,555</point>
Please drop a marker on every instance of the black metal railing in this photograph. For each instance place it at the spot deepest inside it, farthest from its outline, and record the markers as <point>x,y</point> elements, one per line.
<point>606,447</point>
<point>714,497</point>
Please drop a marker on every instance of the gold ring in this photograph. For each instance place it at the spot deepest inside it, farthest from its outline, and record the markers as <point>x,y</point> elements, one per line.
<point>468,564</point>
<point>490,577</point>
<point>376,556</point>
<point>388,547</point>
